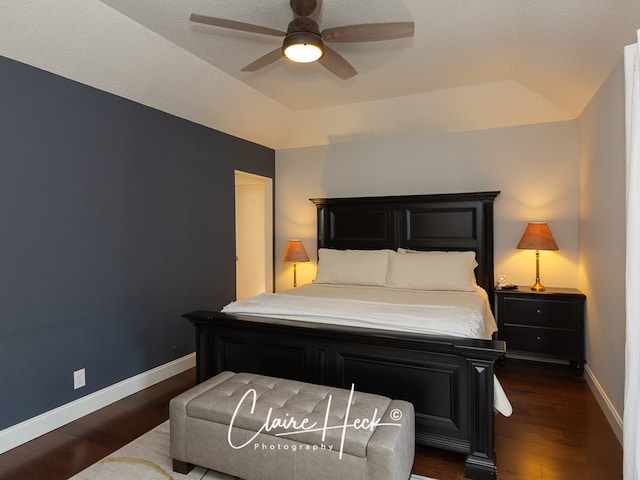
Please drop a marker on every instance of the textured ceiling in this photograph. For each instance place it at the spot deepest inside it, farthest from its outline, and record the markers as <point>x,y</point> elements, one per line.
<point>472,64</point>
<point>561,50</point>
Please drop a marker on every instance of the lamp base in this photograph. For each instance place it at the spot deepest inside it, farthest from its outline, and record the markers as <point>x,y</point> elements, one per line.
<point>295,280</point>
<point>538,287</point>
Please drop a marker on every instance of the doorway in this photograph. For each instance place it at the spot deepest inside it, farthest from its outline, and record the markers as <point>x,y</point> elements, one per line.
<point>254,234</point>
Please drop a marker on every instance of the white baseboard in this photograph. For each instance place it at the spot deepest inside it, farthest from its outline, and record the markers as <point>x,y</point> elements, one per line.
<point>613,417</point>
<point>34,427</point>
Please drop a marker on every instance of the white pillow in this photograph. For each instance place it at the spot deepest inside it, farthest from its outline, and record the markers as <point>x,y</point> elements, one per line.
<point>352,267</point>
<point>433,271</point>
<point>437,252</point>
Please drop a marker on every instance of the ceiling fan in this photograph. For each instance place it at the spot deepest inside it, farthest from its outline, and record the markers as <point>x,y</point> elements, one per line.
<point>304,42</point>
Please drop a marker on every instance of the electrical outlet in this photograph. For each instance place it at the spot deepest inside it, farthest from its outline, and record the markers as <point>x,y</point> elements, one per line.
<point>79,379</point>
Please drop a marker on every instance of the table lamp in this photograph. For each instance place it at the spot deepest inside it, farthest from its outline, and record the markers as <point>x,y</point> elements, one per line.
<point>537,236</point>
<point>294,252</point>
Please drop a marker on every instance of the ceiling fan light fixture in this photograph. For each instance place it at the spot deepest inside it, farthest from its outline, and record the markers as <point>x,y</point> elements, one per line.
<point>303,47</point>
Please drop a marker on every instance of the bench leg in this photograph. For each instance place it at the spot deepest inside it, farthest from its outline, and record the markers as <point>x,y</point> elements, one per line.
<point>182,467</point>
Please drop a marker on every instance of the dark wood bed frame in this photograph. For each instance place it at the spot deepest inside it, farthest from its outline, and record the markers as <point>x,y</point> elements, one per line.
<point>449,380</point>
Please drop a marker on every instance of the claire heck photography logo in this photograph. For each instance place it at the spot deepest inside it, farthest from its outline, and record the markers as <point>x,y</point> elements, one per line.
<point>294,426</point>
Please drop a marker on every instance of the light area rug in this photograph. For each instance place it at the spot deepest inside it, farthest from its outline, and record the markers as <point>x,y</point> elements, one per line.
<point>147,458</point>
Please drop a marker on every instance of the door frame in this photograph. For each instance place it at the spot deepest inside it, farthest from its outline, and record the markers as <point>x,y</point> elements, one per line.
<point>265,211</point>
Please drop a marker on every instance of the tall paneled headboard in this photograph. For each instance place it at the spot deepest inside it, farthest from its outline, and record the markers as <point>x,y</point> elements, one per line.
<point>442,222</point>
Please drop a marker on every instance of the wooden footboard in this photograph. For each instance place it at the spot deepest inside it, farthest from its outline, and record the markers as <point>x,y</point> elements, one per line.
<point>448,380</point>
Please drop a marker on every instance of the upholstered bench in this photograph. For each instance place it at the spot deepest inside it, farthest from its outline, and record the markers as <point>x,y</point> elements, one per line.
<point>258,427</point>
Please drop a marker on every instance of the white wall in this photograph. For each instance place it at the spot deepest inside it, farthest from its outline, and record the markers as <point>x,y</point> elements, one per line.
<point>601,155</point>
<point>535,167</point>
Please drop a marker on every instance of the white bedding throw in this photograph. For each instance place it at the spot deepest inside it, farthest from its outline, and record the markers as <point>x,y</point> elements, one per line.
<point>442,319</point>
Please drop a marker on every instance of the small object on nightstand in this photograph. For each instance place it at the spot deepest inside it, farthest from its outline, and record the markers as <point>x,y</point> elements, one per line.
<point>547,324</point>
<point>503,285</point>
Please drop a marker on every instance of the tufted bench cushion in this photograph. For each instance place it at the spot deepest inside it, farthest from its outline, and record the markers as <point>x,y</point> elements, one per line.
<point>258,427</point>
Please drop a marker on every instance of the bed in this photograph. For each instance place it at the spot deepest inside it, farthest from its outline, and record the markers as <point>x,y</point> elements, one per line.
<point>449,379</point>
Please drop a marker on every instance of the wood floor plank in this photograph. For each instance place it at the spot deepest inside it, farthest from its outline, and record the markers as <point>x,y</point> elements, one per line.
<point>557,432</point>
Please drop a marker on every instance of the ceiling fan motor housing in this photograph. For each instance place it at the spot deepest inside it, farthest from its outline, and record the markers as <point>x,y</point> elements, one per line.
<point>303,24</point>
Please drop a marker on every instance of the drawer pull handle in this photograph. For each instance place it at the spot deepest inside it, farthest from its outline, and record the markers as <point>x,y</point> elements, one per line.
<point>538,338</point>
<point>538,311</point>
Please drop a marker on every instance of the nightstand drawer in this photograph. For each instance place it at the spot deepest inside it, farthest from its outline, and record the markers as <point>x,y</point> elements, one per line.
<point>539,312</point>
<point>544,341</point>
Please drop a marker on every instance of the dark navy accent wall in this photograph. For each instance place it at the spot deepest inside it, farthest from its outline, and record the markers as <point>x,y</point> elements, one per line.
<point>115,219</point>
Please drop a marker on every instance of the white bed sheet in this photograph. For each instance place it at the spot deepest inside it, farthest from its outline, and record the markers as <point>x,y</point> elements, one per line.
<point>446,313</point>
<point>458,314</point>
<point>476,302</point>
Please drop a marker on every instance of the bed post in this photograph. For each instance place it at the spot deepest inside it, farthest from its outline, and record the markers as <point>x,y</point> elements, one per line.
<point>480,464</point>
<point>488,283</point>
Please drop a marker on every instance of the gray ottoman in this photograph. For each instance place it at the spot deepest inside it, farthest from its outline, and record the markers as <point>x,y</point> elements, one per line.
<point>257,427</point>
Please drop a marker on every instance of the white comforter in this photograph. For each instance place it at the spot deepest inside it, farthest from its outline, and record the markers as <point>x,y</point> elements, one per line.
<point>442,319</point>
<point>459,314</point>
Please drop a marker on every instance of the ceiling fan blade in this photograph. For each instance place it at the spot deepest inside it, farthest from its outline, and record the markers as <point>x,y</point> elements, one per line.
<point>263,61</point>
<point>336,64</point>
<point>233,25</point>
<point>369,32</point>
<point>303,8</point>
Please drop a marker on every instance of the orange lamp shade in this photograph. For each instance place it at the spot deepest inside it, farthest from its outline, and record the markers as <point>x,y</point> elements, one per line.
<point>294,252</point>
<point>538,236</point>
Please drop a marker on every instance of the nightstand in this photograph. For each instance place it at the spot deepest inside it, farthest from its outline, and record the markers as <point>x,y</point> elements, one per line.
<point>547,324</point>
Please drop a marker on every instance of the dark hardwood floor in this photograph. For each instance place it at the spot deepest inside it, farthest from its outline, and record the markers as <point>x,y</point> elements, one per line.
<point>557,432</point>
